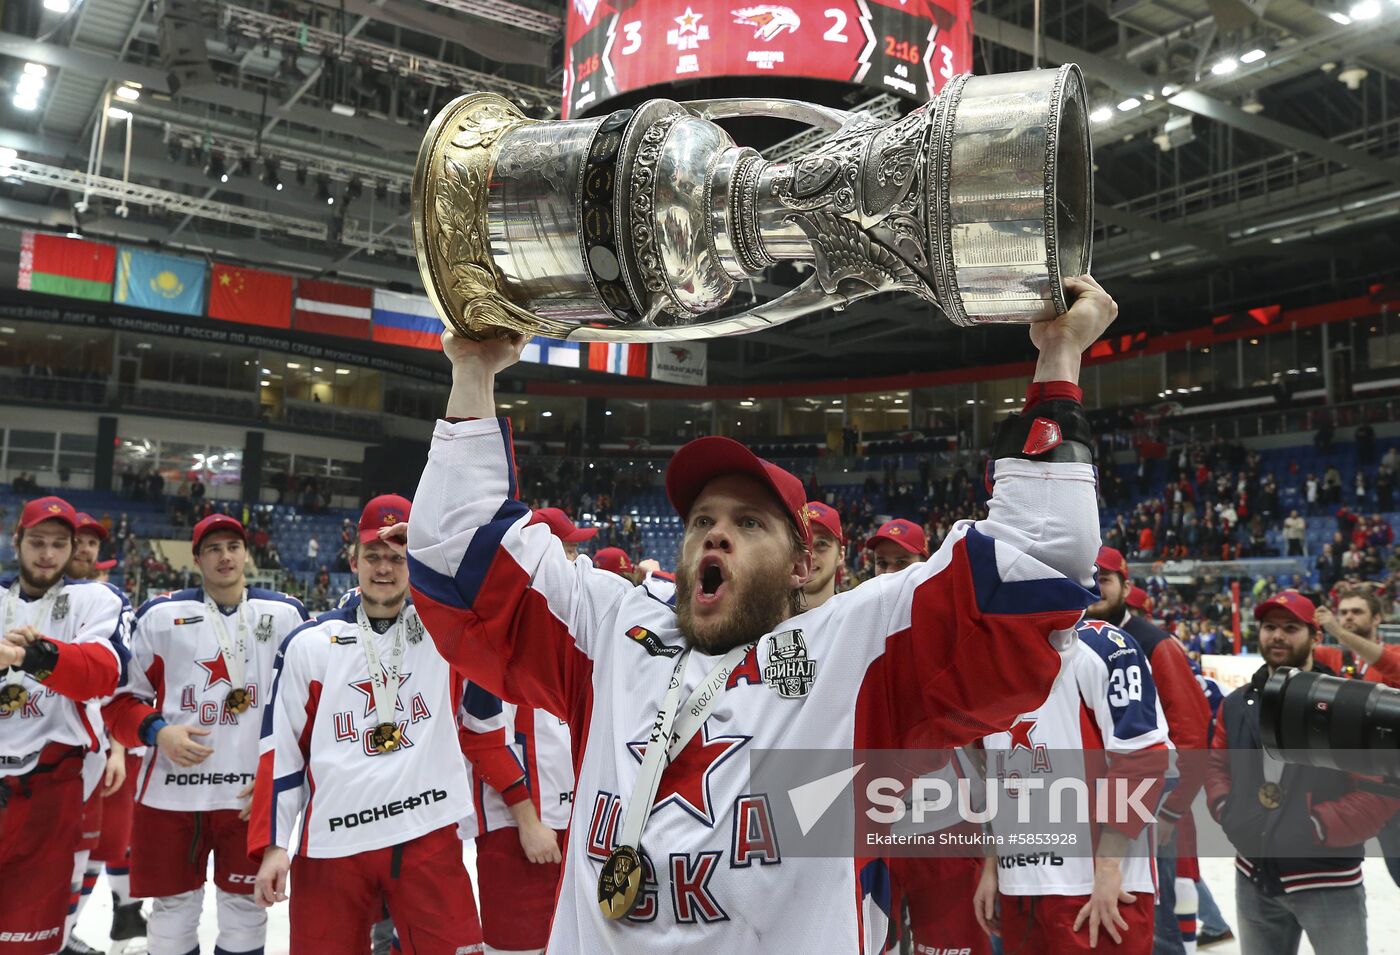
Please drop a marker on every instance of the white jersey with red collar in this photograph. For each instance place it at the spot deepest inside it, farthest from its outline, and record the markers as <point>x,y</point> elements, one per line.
<point>900,661</point>
<point>81,612</point>
<point>540,744</point>
<point>178,668</point>
<point>317,761</point>
<point>1104,701</point>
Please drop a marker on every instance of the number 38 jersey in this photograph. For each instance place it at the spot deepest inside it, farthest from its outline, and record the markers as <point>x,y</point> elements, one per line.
<point>1100,724</point>
<point>178,668</point>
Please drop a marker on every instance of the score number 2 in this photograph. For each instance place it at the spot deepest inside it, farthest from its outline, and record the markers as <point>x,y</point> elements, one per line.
<point>836,33</point>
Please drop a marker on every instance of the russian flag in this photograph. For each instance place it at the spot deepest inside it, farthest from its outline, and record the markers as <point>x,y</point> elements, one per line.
<point>408,320</point>
<point>551,351</point>
<point>619,358</point>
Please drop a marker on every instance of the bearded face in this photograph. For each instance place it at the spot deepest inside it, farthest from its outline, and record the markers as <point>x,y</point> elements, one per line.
<point>739,570</point>
<point>1114,602</point>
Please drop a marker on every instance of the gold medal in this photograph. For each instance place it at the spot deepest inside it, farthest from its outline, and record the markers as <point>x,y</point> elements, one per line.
<point>237,700</point>
<point>1270,795</point>
<point>620,882</point>
<point>12,697</point>
<point>386,737</point>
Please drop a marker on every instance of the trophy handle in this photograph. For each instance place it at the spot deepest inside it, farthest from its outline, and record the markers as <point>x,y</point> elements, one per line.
<point>822,117</point>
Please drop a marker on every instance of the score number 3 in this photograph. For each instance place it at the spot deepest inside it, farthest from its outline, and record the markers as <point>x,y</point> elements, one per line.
<point>632,30</point>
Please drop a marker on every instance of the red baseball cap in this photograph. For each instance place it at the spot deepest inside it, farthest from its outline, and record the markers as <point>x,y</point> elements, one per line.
<point>614,559</point>
<point>561,526</point>
<point>106,564</point>
<point>820,515</point>
<point>86,525</point>
<point>906,534</point>
<point>1292,603</point>
<point>216,522</point>
<point>699,462</point>
<point>1111,561</point>
<point>48,509</point>
<point>386,510</point>
<point>1138,599</point>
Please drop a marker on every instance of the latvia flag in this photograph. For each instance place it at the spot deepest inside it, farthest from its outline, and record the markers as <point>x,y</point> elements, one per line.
<point>330,308</point>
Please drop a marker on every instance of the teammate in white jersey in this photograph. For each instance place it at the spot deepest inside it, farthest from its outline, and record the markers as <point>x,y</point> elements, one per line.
<point>202,662</point>
<point>62,643</point>
<point>683,858</point>
<point>1103,723</point>
<point>107,791</point>
<point>360,743</point>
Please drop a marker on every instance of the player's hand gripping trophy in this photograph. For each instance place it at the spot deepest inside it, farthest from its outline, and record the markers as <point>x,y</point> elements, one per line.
<point>639,225</point>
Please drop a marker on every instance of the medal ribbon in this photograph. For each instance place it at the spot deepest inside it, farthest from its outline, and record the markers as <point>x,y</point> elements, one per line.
<point>233,650</point>
<point>383,674</point>
<point>692,715</point>
<point>43,608</point>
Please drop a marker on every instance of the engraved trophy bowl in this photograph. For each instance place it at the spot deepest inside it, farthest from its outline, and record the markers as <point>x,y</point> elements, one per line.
<point>639,225</point>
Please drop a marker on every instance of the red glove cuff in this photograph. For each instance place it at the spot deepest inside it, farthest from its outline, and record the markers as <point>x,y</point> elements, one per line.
<point>1038,391</point>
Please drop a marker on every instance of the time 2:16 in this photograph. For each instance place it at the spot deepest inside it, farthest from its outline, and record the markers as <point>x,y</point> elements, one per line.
<point>902,50</point>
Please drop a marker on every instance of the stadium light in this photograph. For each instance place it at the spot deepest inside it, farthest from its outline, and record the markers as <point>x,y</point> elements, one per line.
<point>8,155</point>
<point>1131,103</point>
<point>342,371</point>
<point>30,84</point>
<point>58,6</point>
<point>116,112</point>
<point>1225,65</point>
<point>1337,16</point>
<point>294,364</point>
<point>129,93</point>
<point>1101,115</point>
<point>1365,10</point>
<point>1252,56</point>
<point>1171,89</point>
<point>546,414</point>
<point>26,103</point>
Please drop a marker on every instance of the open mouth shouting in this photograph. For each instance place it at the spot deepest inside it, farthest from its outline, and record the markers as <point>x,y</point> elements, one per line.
<point>711,581</point>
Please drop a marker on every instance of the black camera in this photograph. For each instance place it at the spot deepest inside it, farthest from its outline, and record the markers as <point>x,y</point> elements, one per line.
<point>1331,723</point>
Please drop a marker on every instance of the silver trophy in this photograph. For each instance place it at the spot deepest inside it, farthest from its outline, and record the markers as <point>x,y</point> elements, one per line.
<point>639,225</point>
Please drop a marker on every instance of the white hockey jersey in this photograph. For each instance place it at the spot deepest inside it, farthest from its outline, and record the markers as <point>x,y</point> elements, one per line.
<point>79,612</point>
<point>1103,708</point>
<point>317,761</point>
<point>178,668</point>
<point>900,661</point>
<point>539,745</point>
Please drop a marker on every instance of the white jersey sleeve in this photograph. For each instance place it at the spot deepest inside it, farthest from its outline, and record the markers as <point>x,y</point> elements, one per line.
<point>93,619</point>
<point>283,748</point>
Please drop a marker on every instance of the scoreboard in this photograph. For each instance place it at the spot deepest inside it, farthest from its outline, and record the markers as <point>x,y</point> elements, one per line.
<point>910,48</point>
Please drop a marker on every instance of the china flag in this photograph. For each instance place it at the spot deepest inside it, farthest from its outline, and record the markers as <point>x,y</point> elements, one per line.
<point>250,297</point>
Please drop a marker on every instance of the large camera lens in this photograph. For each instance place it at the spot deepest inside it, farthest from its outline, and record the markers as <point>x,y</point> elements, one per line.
<point>1331,723</point>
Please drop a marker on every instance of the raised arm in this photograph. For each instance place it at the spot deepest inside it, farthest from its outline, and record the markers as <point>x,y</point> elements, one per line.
<point>506,607</point>
<point>972,635</point>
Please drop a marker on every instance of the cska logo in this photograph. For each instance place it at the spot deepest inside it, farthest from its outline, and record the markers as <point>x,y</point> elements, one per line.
<point>768,20</point>
<point>55,508</point>
<point>895,531</point>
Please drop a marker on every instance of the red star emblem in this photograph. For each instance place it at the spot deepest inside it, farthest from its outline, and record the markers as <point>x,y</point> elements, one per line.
<point>688,20</point>
<point>217,670</point>
<point>1021,734</point>
<point>367,688</point>
<point>1098,626</point>
<point>686,781</point>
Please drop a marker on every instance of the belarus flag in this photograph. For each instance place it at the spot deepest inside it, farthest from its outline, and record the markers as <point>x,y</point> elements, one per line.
<point>407,320</point>
<point>619,358</point>
<point>330,308</point>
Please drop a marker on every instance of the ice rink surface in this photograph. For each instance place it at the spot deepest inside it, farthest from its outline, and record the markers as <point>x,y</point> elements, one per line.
<point>1382,905</point>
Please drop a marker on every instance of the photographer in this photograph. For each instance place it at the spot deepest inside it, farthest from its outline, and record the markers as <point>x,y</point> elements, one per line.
<point>1273,812</point>
<point>1357,626</point>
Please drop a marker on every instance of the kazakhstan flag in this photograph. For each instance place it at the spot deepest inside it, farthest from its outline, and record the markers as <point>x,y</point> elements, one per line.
<point>166,283</point>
